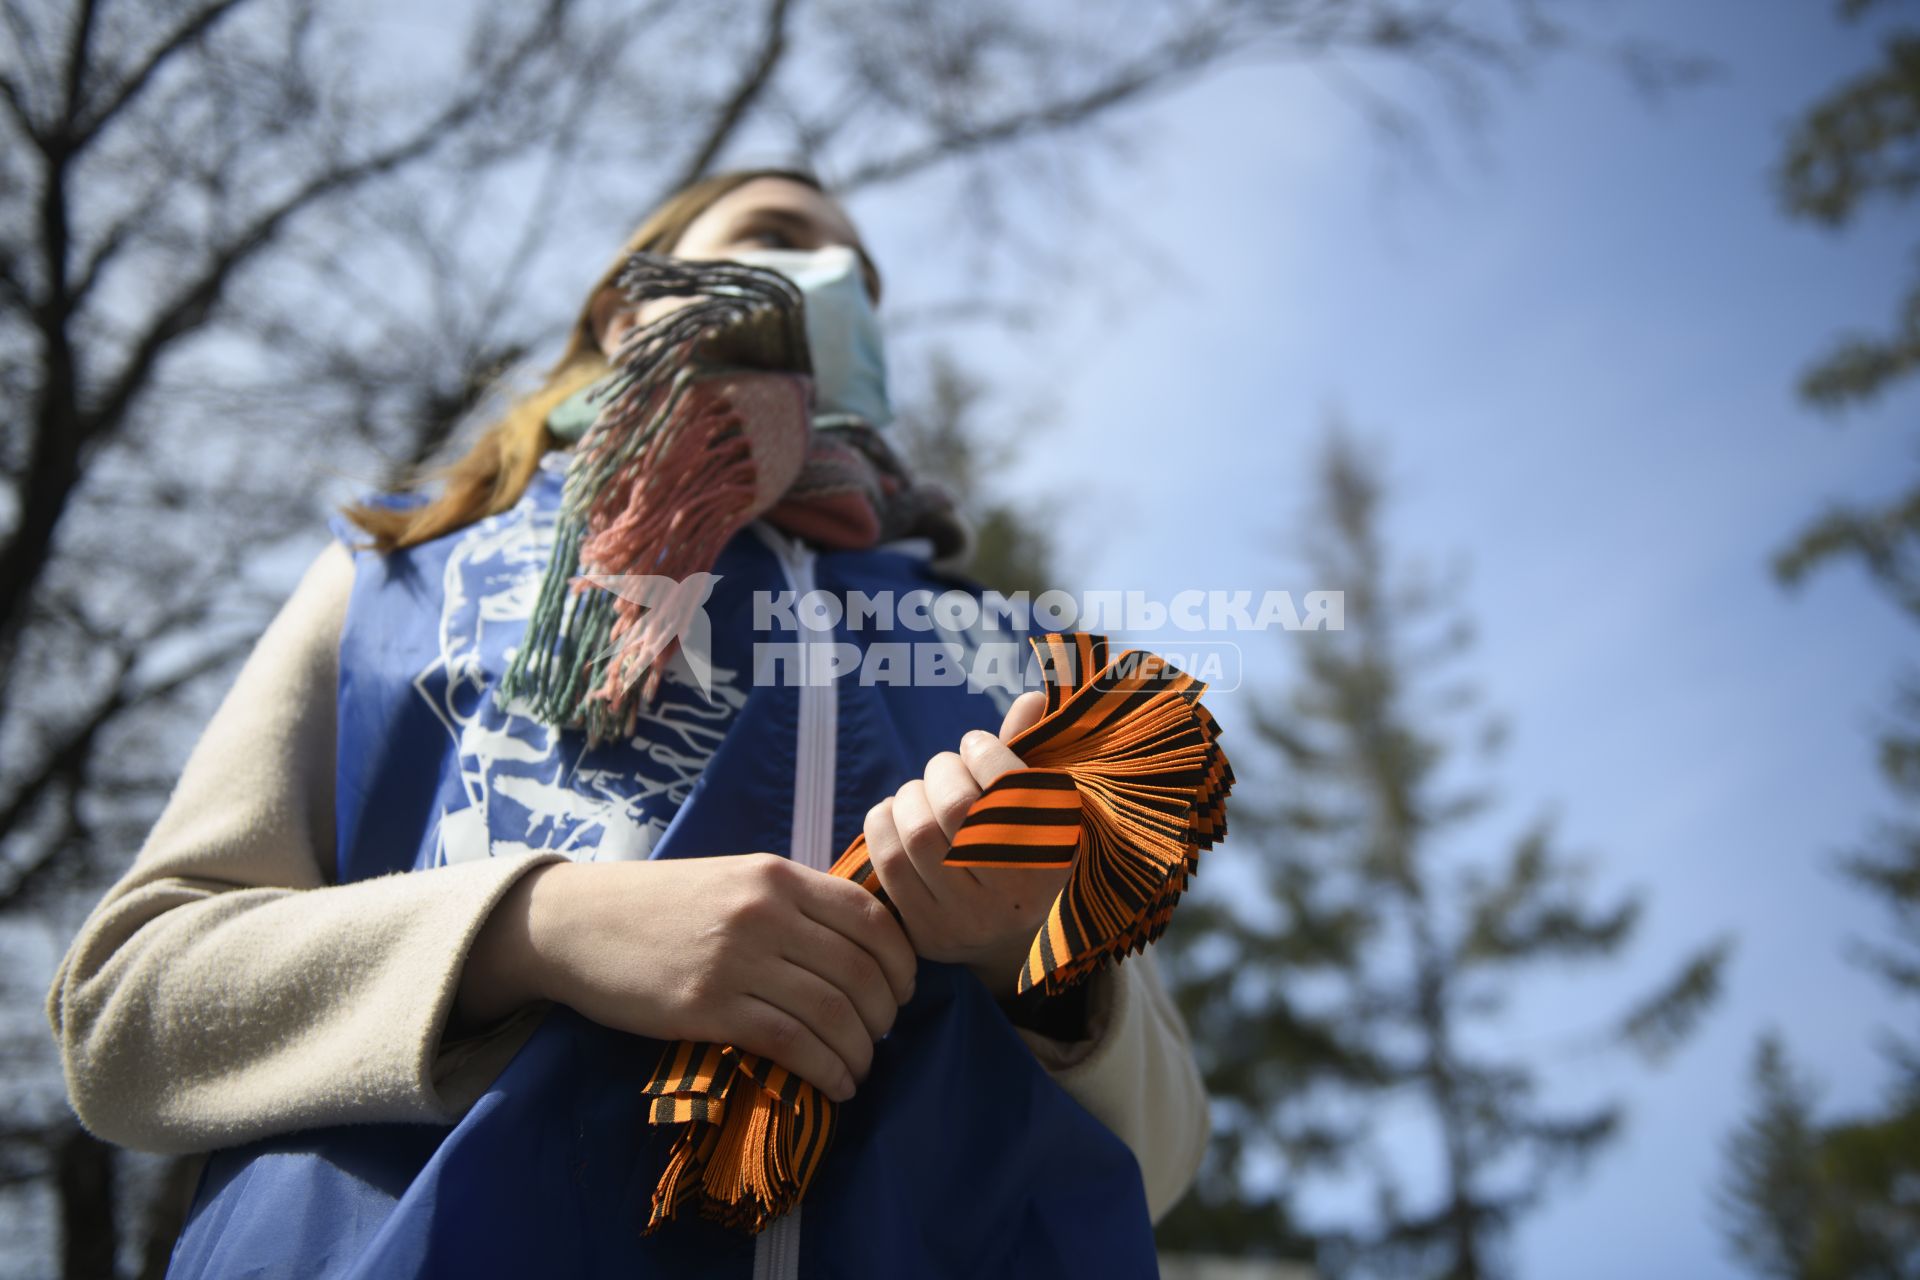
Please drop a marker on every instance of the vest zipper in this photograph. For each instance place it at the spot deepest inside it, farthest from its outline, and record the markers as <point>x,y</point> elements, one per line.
<point>776,1250</point>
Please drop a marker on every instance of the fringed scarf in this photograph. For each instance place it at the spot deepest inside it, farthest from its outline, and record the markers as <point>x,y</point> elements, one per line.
<point>705,425</point>
<point>1124,783</point>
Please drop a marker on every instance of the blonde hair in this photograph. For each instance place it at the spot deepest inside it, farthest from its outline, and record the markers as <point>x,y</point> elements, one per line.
<point>491,476</point>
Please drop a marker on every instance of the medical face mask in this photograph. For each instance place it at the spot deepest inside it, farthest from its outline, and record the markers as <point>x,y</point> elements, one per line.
<point>843,333</point>
<point>843,340</point>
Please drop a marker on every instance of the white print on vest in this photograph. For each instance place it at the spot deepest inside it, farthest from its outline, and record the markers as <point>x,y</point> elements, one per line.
<point>528,786</point>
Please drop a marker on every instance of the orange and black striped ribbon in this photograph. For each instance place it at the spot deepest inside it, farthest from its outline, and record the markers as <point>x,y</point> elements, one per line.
<point>1124,784</point>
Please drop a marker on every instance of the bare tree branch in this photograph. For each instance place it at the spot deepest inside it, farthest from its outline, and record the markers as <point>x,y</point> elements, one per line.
<point>108,247</point>
<point>13,289</point>
<point>1158,71</point>
<point>85,131</point>
<point>67,764</point>
<point>74,76</point>
<point>65,429</point>
<point>753,82</point>
<point>16,105</point>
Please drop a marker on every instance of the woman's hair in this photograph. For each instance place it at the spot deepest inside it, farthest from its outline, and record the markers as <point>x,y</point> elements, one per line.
<point>492,475</point>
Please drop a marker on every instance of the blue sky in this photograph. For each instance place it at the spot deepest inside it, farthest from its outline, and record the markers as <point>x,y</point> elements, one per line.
<point>1578,345</point>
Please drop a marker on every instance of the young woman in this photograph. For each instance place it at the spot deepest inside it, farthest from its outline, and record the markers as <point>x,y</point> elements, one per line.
<point>401,955</point>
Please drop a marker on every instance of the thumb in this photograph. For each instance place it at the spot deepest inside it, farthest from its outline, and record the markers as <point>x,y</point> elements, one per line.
<point>1023,715</point>
<point>987,756</point>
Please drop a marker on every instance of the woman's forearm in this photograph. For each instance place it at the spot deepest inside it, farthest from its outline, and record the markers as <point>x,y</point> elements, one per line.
<point>194,1014</point>
<point>223,989</point>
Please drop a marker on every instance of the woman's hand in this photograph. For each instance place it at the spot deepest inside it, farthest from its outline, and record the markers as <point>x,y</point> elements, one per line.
<point>985,921</point>
<point>803,968</point>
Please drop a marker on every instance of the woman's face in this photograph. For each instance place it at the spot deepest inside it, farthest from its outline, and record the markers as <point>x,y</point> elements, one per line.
<point>765,213</point>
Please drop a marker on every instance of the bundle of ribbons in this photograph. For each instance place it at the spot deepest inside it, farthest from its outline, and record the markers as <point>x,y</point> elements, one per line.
<point>1123,784</point>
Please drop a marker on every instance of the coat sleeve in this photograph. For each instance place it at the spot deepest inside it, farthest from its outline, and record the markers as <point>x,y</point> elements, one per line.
<point>225,989</point>
<point>1136,1073</point>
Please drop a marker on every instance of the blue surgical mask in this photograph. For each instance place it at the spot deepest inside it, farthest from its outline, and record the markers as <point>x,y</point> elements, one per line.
<point>843,340</point>
<point>843,333</point>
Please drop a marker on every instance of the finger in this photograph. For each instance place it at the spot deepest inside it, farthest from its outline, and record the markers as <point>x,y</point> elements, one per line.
<point>951,791</point>
<point>825,1009</point>
<point>856,915</point>
<point>926,844</point>
<point>986,756</point>
<point>776,1035</point>
<point>849,967</point>
<point>898,875</point>
<point>1023,715</point>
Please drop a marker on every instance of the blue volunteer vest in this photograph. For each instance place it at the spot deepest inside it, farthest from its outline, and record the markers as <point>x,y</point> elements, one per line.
<point>959,1156</point>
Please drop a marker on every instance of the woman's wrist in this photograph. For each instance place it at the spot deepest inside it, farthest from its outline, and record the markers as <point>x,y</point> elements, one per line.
<point>1000,973</point>
<point>509,965</point>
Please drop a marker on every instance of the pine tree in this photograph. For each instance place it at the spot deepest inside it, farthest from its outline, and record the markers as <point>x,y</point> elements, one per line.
<point>1769,1192</point>
<point>1805,1198</point>
<point>1834,1199</point>
<point>1855,148</point>
<point>1343,957</point>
